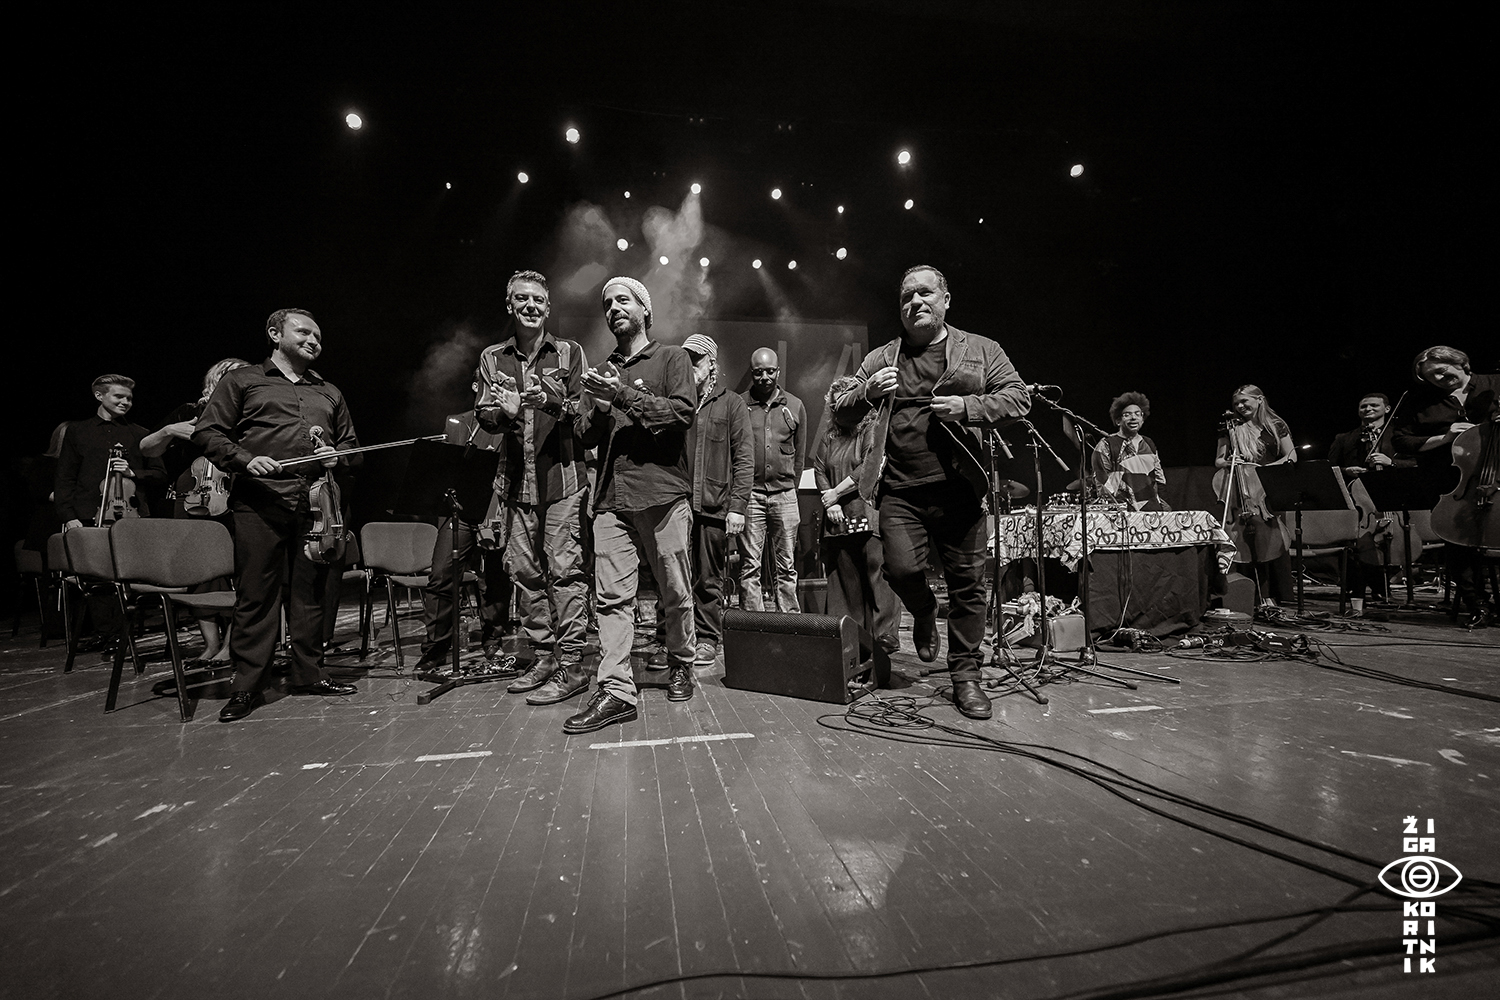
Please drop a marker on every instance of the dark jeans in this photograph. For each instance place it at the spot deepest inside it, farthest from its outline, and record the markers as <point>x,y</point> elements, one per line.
<point>945,516</point>
<point>710,560</point>
<point>437,600</point>
<point>269,563</point>
<point>857,586</point>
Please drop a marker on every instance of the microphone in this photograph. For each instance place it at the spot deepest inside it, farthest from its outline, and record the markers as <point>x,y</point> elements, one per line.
<point>999,439</point>
<point>1042,390</point>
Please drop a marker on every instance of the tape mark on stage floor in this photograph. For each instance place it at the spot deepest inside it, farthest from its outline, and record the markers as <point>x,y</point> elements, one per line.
<point>1127,708</point>
<point>679,739</point>
<point>453,756</point>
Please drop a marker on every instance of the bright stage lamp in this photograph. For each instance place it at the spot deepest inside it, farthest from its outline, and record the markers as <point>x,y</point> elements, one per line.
<point>354,121</point>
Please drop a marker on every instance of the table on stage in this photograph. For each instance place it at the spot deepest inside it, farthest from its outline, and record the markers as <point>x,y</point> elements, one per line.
<point>1160,566</point>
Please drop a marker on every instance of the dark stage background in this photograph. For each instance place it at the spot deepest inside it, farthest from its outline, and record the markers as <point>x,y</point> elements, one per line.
<point>1289,195</point>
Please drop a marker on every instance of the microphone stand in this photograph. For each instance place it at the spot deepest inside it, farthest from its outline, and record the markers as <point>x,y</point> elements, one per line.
<point>996,660</point>
<point>1045,655</point>
<point>1089,654</point>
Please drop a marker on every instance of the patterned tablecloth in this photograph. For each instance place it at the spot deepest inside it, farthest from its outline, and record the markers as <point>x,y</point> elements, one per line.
<point>1062,534</point>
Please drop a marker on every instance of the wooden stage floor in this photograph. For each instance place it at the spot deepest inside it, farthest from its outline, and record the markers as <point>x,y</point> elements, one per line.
<point>369,847</point>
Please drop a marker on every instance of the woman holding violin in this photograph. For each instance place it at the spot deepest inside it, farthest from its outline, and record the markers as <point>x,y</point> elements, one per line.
<point>199,488</point>
<point>1453,423</point>
<point>258,417</point>
<point>1252,435</point>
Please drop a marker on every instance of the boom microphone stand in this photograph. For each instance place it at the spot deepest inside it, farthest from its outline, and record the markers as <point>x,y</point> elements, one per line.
<point>1079,428</point>
<point>1045,655</point>
<point>996,660</point>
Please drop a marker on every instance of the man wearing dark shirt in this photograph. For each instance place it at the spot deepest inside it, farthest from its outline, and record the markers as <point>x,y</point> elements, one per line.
<point>778,423</point>
<point>932,387</point>
<point>1369,447</point>
<point>84,459</point>
<point>637,408</point>
<point>258,417</point>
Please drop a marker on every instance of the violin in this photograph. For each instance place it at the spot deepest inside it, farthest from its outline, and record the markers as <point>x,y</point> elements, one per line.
<point>209,494</point>
<point>117,493</point>
<point>325,539</point>
<point>1467,516</point>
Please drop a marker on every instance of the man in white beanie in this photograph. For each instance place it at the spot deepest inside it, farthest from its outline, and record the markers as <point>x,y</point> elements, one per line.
<point>636,409</point>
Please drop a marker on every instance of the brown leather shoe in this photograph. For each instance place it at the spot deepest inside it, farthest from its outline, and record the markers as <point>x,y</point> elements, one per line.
<point>566,681</point>
<point>679,683</point>
<point>541,669</point>
<point>971,699</point>
<point>604,710</point>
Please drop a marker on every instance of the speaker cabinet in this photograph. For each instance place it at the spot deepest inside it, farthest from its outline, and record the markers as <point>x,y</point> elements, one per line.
<point>800,656</point>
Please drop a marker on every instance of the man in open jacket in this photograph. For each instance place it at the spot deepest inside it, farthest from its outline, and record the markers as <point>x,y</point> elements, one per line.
<point>720,450</point>
<point>934,386</point>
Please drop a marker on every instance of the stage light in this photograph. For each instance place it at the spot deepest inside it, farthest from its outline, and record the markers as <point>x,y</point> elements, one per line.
<point>354,121</point>
<point>627,194</point>
<point>909,204</point>
<point>662,258</point>
<point>523,177</point>
<point>1077,170</point>
<point>571,135</point>
<point>448,186</point>
<point>702,261</point>
<point>696,188</point>
<point>755,263</point>
<point>776,194</point>
<point>791,265</point>
<point>622,244</point>
<point>903,157</point>
<point>1307,447</point>
<point>981,220</point>
<point>841,253</point>
<point>841,209</point>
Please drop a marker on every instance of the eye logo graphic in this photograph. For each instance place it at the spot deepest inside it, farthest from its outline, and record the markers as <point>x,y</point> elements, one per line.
<point>1419,876</point>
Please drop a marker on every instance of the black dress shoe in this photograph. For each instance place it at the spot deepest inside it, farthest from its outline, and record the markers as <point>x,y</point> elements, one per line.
<point>325,687</point>
<point>924,635</point>
<point>604,710</point>
<point>1479,619</point>
<point>971,699</point>
<point>241,704</point>
<point>680,684</point>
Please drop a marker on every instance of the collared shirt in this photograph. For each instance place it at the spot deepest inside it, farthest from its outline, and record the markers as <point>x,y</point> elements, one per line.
<point>257,410</point>
<point>779,426</point>
<point>84,458</point>
<point>642,438</point>
<point>542,460</point>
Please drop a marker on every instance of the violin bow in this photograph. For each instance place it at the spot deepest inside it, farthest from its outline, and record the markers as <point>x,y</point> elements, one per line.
<point>307,459</point>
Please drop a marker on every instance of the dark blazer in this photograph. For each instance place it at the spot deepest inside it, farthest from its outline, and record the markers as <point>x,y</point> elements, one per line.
<point>719,447</point>
<point>1434,411</point>
<point>978,370</point>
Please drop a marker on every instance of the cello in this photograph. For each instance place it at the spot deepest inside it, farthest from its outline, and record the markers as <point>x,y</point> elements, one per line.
<point>1467,516</point>
<point>117,493</point>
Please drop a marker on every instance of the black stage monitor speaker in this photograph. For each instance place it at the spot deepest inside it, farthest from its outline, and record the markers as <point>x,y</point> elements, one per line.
<point>801,656</point>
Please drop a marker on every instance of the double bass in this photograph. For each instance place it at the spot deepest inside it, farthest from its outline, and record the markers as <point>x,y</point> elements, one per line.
<point>1467,516</point>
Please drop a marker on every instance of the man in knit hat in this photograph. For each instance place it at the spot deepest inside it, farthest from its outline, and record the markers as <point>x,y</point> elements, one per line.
<point>636,409</point>
<point>720,447</point>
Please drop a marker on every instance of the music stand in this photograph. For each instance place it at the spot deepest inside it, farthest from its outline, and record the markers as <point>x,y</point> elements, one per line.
<point>444,480</point>
<point>1299,486</point>
<point>1405,490</point>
